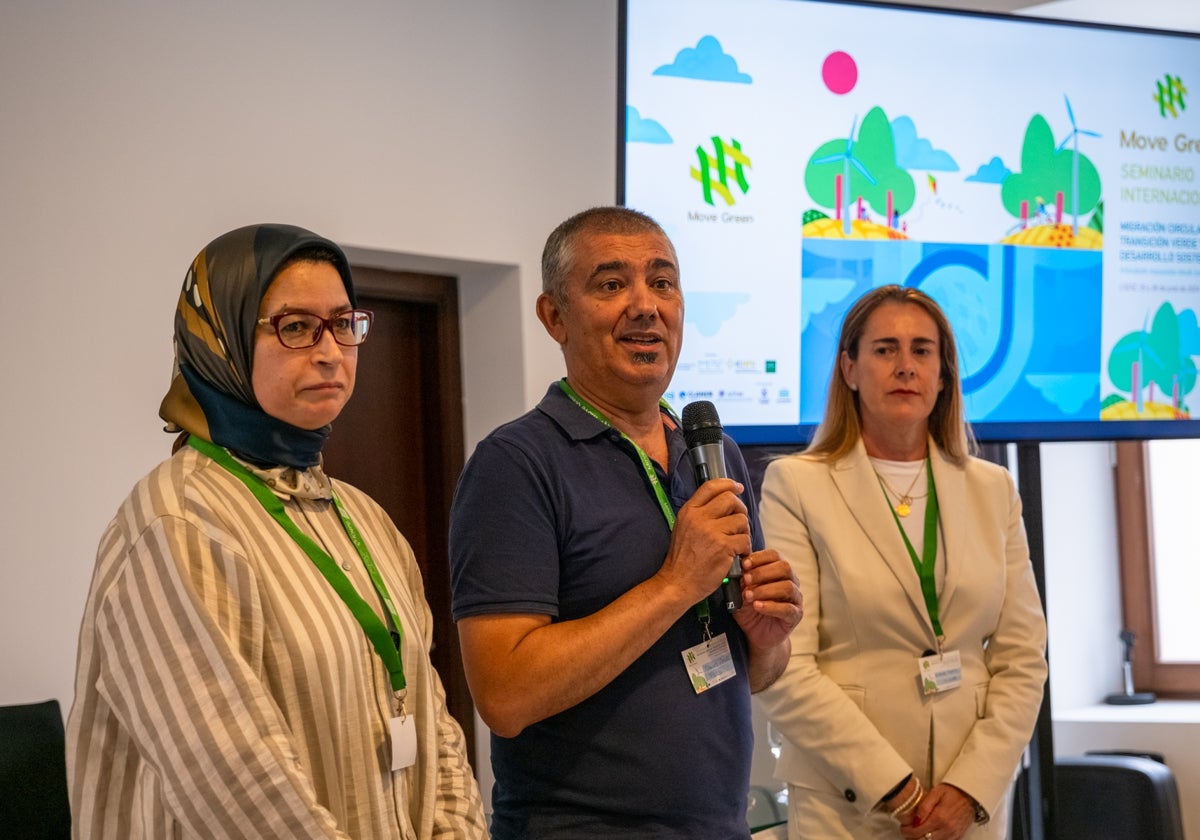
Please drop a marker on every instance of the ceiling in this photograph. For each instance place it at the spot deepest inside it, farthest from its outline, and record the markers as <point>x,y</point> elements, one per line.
<point>1182,15</point>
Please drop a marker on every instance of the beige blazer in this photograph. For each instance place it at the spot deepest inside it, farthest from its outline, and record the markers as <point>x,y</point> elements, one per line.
<point>849,704</point>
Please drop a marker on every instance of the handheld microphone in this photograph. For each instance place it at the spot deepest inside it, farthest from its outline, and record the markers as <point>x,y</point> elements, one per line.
<point>705,441</point>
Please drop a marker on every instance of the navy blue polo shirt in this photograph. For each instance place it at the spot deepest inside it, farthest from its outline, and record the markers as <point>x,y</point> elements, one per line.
<point>554,514</point>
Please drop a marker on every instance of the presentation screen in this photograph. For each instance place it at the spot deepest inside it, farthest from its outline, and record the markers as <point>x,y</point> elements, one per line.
<point>1039,179</point>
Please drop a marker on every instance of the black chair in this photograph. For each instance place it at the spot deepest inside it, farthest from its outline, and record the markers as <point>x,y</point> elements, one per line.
<point>1154,756</point>
<point>33,773</point>
<point>1111,796</point>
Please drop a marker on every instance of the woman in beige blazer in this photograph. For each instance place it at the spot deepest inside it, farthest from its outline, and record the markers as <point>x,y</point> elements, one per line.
<point>909,699</point>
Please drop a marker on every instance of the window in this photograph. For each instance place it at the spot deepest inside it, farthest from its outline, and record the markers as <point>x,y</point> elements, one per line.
<point>1160,562</point>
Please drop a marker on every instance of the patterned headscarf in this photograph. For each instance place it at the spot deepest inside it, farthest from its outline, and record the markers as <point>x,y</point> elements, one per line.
<point>211,394</point>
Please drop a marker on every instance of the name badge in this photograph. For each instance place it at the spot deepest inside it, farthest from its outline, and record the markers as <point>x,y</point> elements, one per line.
<point>940,672</point>
<point>709,663</point>
<point>404,742</point>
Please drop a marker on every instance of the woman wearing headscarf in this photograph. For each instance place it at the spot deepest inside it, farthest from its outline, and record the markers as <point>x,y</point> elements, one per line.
<point>908,701</point>
<point>254,652</point>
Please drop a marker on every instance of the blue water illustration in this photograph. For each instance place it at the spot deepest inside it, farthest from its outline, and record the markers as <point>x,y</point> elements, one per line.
<point>1027,320</point>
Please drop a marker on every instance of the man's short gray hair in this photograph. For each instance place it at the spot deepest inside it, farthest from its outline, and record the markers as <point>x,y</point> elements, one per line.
<point>558,257</point>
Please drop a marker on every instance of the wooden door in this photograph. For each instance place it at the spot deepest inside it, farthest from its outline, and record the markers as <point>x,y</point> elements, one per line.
<point>400,438</point>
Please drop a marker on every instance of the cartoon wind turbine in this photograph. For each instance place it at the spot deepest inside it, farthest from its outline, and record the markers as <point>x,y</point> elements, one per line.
<point>847,158</point>
<point>1073,139</point>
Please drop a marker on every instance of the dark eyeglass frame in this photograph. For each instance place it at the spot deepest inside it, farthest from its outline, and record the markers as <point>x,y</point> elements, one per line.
<point>323,325</point>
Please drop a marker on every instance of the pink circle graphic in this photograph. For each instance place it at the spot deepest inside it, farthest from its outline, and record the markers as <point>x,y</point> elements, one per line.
<point>839,72</point>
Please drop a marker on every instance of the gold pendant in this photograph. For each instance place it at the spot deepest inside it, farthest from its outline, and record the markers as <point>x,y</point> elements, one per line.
<point>903,509</point>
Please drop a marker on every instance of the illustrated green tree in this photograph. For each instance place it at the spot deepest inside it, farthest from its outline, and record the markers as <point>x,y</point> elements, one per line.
<point>1046,170</point>
<point>875,149</point>
<point>1164,352</point>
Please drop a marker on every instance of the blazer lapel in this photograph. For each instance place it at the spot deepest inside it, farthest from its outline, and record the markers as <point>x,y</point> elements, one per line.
<point>955,522</point>
<point>859,487</point>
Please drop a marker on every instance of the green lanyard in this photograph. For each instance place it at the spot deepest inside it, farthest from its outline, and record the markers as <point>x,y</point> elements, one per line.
<point>386,643</point>
<point>925,565</point>
<point>652,474</point>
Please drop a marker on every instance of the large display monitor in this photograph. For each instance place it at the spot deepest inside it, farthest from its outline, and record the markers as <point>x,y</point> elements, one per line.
<point>1040,179</point>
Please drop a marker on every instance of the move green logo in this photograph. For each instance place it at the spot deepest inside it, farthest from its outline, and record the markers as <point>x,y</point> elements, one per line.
<point>1169,96</point>
<point>722,170</point>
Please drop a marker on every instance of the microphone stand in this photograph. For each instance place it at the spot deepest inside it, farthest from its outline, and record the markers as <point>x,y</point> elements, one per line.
<point>1129,697</point>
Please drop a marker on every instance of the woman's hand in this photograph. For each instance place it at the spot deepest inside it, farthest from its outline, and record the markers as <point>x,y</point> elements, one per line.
<point>945,813</point>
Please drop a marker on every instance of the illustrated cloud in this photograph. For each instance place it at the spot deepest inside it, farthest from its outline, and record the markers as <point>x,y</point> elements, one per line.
<point>707,62</point>
<point>639,129</point>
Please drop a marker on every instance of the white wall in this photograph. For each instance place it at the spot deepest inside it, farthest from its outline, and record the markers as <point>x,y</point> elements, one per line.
<point>1082,576</point>
<point>448,136</point>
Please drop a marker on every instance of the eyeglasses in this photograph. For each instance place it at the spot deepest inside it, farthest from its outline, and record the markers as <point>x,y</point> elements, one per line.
<point>298,330</point>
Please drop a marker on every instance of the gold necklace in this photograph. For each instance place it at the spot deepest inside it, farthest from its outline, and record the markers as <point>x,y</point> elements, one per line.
<point>904,501</point>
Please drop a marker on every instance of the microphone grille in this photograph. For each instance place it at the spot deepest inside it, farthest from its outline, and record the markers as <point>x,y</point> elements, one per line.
<point>701,425</point>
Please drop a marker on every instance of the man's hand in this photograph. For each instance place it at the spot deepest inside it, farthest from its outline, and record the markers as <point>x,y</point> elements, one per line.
<point>772,604</point>
<point>710,529</point>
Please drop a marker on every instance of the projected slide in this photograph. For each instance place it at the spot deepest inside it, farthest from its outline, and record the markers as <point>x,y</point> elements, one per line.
<point>800,153</point>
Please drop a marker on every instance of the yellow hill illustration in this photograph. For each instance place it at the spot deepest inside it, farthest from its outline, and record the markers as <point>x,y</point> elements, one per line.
<point>832,229</point>
<point>1150,411</point>
<point>1056,236</point>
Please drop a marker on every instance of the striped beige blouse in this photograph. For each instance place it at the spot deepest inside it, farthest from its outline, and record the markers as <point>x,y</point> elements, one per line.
<point>224,690</point>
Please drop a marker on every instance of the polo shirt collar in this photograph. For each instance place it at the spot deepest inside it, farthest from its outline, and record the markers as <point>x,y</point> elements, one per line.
<point>573,420</point>
<point>576,423</point>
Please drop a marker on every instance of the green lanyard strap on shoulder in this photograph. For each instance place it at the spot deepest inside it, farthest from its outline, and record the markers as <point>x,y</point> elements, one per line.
<point>386,643</point>
<point>925,565</point>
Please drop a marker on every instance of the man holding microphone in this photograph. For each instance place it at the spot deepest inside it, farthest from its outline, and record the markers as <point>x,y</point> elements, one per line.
<point>587,569</point>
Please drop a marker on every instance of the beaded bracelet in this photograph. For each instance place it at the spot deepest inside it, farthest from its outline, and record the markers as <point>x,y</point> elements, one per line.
<point>909,804</point>
<point>920,799</point>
